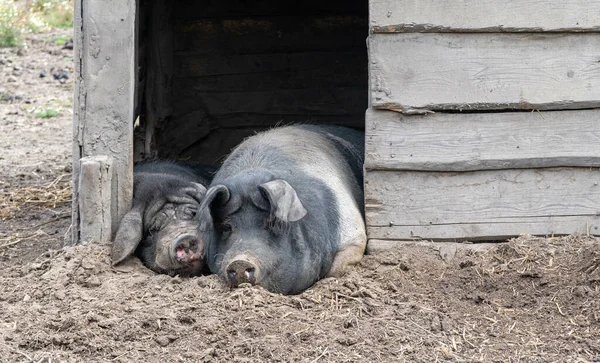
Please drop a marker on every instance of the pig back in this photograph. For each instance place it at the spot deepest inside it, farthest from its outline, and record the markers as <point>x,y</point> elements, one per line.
<point>333,155</point>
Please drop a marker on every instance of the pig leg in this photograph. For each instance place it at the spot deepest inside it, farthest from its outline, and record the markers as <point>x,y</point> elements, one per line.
<point>349,255</point>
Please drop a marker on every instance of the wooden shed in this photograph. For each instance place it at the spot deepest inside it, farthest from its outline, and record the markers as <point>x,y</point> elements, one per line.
<point>481,117</point>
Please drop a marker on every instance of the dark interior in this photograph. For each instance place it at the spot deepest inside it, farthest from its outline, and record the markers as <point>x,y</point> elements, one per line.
<point>213,72</point>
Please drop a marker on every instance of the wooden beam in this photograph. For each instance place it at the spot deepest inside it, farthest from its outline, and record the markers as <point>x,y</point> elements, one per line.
<point>159,72</point>
<point>105,81</point>
<point>96,199</point>
<point>484,15</point>
<point>482,205</point>
<point>422,72</point>
<point>482,141</point>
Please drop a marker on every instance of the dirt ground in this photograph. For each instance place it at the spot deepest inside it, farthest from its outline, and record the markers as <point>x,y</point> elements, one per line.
<point>528,300</point>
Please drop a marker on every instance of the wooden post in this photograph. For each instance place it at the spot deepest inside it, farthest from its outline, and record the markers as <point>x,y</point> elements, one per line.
<point>95,199</point>
<point>103,119</point>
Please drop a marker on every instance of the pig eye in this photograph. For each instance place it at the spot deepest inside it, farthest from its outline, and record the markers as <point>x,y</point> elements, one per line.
<point>189,212</point>
<point>155,227</point>
<point>157,222</point>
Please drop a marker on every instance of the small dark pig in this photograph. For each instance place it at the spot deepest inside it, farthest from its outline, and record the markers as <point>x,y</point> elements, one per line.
<point>286,208</point>
<point>161,228</point>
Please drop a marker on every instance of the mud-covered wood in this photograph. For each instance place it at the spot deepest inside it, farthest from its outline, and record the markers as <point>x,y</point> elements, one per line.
<point>484,15</point>
<point>480,141</point>
<point>96,199</point>
<point>482,205</point>
<point>417,72</point>
<point>104,42</point>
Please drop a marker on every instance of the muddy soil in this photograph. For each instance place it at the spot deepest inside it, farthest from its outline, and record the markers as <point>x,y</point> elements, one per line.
<point>529,300</point>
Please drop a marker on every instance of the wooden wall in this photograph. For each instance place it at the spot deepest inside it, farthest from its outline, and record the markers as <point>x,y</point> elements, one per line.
<point>218,71</point>
<point>484,120</point>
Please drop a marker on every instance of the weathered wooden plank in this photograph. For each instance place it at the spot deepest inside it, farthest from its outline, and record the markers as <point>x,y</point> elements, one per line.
<point>482,205</point>
<point>189,64</point>
<point>259,35</point>
<point>484,15</point>
<point>104,43</point>
<point>159,72</point>
<point>481,141</point>
<point>208,139</point>
<point>96,199</point>
<point>317,100</point>
<point>192,9</point>
<point>417,72</point>
<point>328,75</point>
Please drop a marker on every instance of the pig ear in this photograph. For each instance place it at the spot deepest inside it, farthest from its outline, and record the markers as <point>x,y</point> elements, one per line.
<point>217,193</point>
<point>128,237</point>
<point>285,204</point>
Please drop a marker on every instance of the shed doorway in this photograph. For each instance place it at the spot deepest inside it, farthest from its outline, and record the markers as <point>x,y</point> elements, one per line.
<point>214,72</point>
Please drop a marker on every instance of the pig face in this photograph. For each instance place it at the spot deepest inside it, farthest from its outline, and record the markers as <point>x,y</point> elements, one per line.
<point>162,228</point>
<point>255,231</point>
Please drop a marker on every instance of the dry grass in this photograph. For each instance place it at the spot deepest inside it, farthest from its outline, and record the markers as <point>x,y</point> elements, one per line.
<point>55,194</point>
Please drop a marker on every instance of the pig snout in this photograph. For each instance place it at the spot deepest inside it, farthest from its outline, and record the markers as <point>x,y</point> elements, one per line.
<point>185,248</point>
<point>241,271</point>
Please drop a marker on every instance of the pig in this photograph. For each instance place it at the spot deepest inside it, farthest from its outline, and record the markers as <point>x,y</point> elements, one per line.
<point>286,208</point>
<point>161,228</point>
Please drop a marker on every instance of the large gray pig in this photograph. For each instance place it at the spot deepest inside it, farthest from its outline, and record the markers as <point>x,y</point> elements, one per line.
<point>161,228</point>
<point>286,208</point>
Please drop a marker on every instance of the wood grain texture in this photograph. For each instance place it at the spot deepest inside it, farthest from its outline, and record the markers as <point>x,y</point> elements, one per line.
<point>482,205</point>
<point>209,9</point>
<point>482,141</point>
<point>274,34</point>
<point>105,69</point>
<point>159,73</point>
<point>419,72</point>
<point>484,15</point>
<point>239,69</point>
<point>96,199</point>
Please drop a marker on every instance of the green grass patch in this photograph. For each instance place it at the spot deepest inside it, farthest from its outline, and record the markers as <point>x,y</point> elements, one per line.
<point>10,24</point>
<point>59,39</point>
<point>47,113</point>
<point>53,13</point>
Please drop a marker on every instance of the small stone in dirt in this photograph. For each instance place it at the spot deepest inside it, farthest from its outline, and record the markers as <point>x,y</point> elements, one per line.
<point>11,79</point>
<point>347,341</point>
<point>21,52</point>
<point>42,74</point>
<point>531,274</point>
<point>61,75</point>
<point>59,295</point>
<point>26,297</point>
<point>68,44</point>
<point>10,97</point>
<point>165,340</point>
<point>93,281</point>
<point>208,352</point>
<point>466,264</point>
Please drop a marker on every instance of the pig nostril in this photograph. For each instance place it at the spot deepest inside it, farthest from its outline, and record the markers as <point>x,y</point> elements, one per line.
<point>249,274</point>
<point>231,275</point>
<point>185,247</point>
